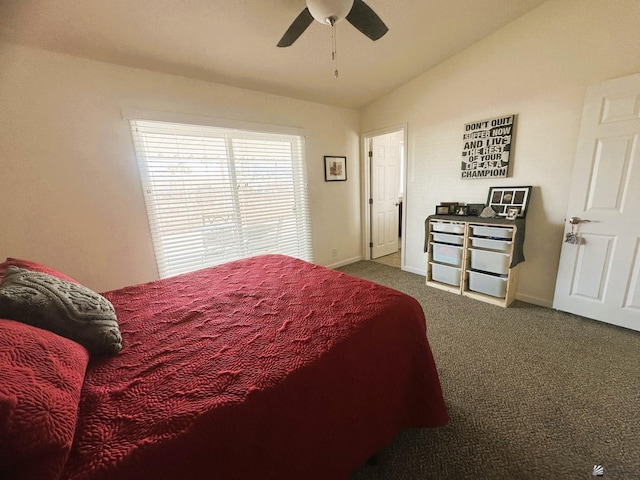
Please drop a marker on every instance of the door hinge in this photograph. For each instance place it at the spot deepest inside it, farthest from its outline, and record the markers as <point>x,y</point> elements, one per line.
<point>371,201</point>
<point>370,153</point>
<point>370,244</point>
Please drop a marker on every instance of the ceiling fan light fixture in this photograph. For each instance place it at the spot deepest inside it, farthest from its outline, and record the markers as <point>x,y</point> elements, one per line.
<point>329,11</point>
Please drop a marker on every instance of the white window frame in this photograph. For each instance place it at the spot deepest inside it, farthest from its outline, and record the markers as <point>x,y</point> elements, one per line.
<point>243,189</point>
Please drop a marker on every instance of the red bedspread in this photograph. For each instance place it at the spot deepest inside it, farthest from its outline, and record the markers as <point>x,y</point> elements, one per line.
<point>263,368</point>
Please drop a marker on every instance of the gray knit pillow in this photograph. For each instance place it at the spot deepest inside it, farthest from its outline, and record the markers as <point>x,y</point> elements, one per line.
<point>65,308</point>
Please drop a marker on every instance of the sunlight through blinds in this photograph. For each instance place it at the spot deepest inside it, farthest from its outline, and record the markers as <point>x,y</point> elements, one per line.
<point>218,194</point>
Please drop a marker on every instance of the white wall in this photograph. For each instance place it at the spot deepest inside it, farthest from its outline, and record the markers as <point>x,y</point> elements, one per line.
<point>538,68</point>
<point>69,188</point>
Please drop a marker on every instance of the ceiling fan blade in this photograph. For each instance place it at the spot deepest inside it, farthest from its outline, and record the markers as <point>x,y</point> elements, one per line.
<point>298,26</point>
<point>366,20</point>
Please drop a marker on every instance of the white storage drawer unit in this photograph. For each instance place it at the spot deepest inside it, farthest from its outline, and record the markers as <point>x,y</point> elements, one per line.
<point>491,244</point>
<point>445,274</point>
<point>493,232</point>
<point>448,227</point>
<point>475,258</point>
<point>494,285</point>
<point>445,253</point>
<point>494,262</point>
<point>448,238</point>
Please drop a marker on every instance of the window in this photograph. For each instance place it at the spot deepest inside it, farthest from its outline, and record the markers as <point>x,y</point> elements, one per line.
<point>218,194</point>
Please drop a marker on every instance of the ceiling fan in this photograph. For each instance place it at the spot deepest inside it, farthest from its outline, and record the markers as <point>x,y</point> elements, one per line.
<point>329,12</point>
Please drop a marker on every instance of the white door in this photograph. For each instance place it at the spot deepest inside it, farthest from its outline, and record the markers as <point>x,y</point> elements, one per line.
<point>598,275</point>
<point>385,194</point>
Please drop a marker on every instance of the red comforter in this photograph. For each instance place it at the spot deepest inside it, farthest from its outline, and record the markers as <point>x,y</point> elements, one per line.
<point>263,368</point>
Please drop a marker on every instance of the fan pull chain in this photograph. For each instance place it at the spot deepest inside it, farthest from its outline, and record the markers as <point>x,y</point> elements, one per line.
<point>334,46</point>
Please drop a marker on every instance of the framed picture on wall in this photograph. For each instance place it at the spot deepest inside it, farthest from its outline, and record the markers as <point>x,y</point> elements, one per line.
<point>335,169</point>
<point>509,202</point>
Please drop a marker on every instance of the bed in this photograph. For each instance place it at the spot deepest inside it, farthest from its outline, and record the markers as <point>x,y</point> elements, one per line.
<point>262,368</point>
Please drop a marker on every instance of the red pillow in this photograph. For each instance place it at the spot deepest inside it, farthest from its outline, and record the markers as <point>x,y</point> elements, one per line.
<point>42,376</point>
<point>34,267</point>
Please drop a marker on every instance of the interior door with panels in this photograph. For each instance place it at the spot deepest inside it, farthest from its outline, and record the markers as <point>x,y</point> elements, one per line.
<point>598,274</point>
<point>385,184</point>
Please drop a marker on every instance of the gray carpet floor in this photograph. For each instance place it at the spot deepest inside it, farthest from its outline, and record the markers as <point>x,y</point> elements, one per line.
<point>393,260</point>
<point>532,393</point>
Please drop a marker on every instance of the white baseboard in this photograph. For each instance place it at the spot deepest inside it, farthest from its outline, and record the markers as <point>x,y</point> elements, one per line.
<point>344,262</point>
<point>417,271</point>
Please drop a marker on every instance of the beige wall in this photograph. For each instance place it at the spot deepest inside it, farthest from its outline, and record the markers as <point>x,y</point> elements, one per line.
<point>538,68</point>
<point>69,189</point>
<point>69,186</point>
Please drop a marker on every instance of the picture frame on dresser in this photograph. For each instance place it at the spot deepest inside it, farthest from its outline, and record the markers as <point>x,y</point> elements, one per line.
<point>505,199</point>
<point>475,209</point>
<point>461,210</point>
<point>512,213</point>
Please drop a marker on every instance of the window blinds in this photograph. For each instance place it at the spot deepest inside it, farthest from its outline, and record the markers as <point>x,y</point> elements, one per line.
<point>218,194</point>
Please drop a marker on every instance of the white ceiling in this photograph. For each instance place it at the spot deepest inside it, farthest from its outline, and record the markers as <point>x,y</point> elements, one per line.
<point>234,41</point>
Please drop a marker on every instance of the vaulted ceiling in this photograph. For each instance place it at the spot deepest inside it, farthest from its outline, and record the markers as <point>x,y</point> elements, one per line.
<point>234,41</point>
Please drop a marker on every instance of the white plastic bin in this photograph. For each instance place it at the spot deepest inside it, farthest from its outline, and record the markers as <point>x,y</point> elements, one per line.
<point>445,253</point>
<point>494,232</point>
<point>493,285</point>
<point>448,238</point>
<point>447,227</point>
<point>445,274</point>
<point>485,260</point>
<point>491,244</point>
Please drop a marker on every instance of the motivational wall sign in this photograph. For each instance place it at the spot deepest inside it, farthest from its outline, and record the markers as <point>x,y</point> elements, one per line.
<point>487,145</point>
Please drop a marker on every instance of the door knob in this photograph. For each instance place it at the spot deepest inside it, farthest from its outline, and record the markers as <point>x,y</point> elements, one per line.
<point>577,220</point>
